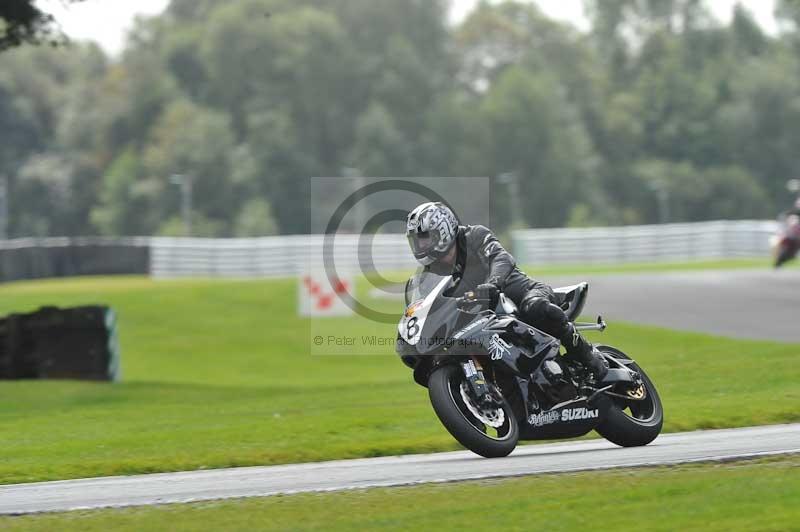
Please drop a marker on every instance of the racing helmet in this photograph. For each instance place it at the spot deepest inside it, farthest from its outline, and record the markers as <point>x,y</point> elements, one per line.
<point>431,230</point>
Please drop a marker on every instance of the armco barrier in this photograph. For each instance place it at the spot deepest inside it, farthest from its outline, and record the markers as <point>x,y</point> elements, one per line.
<point>276,256</point>
<point>285,256</point>
<point>34,258</point>
<point>289,255</point>
<point>644,243</point>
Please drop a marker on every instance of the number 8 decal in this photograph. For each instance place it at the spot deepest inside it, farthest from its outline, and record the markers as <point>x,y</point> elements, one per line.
<point>411,328</point>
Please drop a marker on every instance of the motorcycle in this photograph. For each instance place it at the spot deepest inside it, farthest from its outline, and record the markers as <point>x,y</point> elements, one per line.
<point>786,243</point>
<point>494,380</point>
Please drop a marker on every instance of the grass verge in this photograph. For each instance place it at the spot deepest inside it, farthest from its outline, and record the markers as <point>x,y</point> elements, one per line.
<point>750,495</point>
<point>219,373</point>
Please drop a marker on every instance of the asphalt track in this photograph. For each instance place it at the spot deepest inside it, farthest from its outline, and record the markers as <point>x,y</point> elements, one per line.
<point>751,304</point>
<point>714,445</point>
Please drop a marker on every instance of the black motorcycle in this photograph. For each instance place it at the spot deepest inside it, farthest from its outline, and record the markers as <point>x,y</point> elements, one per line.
<point>494,380</point>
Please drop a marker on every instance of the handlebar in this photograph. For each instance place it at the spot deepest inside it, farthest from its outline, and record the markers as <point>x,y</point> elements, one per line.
<point>469,299</point>
<point>599,326</point>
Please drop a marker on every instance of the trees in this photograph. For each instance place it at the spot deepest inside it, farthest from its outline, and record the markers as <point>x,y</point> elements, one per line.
<point>252,98</point>
<point>536,133</point>
<point>51,178</point>
<point>22,21</point>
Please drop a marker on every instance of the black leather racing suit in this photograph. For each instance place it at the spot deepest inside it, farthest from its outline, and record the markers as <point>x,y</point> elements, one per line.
<point>480,258</point>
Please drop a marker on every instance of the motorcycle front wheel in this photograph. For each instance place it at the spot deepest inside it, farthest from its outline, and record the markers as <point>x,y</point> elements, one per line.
<point>785,253</point>
<point>491,433</point>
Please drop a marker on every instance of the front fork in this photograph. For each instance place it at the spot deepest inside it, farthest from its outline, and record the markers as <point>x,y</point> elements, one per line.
<point>477,381</point>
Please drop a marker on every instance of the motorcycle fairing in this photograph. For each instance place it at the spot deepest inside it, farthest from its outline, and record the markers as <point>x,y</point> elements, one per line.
<point>567,420</point>
<point>525,346</point>
<point>572,299</point>
<point>412,325</point>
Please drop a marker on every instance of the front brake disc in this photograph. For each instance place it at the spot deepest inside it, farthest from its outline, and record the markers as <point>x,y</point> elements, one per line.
<point>493,417</point>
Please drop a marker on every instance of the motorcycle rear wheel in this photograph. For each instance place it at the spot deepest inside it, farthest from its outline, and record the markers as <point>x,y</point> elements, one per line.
<point>632,423</point>
<point>444,390</point>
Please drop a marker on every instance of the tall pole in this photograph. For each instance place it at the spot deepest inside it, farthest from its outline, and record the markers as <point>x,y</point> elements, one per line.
<point>663,204</point>
<point>3,207</point>
<point>186,183</point>
<point>186,204</point>
<point>661,189</point>
<point>359,181</point>
<point>511,180</point>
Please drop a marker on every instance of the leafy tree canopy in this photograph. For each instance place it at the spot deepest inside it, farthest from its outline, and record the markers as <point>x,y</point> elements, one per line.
<point>21,21</point>
<point>657,101</point>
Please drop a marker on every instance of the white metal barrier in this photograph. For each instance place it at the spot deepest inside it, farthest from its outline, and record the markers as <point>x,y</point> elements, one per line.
<point>644,243</point>
<point>275,256</point>
<point>282,256</point>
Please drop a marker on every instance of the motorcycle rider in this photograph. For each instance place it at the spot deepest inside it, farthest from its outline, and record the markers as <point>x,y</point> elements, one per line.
<point>473,254</point>
<point>794,211</point>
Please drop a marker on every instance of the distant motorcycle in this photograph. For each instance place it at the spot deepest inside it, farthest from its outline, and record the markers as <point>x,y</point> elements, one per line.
<point>494,380</point>
<point>786,243</point>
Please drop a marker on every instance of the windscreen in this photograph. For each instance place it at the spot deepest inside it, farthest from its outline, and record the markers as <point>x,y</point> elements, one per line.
<point>421,285</point>
<point>429,318</point>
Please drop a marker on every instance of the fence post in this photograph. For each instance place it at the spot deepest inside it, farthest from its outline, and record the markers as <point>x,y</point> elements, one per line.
<point>3,207</point>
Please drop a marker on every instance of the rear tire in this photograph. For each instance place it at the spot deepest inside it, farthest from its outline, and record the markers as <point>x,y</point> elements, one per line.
<point>646,417</point>
<point>443,389</point>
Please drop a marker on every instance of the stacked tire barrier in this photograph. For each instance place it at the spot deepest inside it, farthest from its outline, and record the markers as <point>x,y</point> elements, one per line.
<point>51,343</point>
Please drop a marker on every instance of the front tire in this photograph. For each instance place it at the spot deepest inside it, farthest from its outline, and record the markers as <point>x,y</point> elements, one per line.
<point>785,253</point>
<point>444,390</point>
<point>631,423</point>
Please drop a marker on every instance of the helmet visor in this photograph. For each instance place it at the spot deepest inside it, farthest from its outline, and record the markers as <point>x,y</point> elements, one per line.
<point>422,243</point>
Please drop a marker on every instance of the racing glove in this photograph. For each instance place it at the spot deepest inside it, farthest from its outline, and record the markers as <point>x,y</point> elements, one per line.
<point>488,291</point>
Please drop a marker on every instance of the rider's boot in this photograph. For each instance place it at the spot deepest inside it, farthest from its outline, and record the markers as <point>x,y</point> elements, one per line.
<point>580,349</point>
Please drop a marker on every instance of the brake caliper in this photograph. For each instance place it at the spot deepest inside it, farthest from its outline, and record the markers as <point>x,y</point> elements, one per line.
<point>636,393</point>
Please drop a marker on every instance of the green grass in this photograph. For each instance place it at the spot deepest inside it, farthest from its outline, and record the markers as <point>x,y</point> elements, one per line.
<point>758,495</point>
<point>219,373</point>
